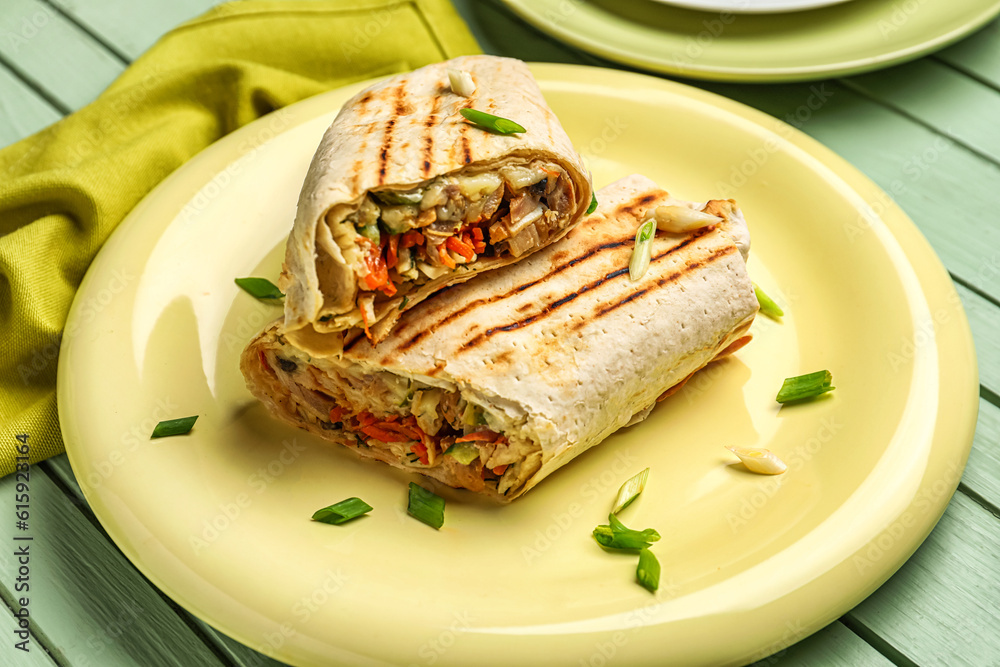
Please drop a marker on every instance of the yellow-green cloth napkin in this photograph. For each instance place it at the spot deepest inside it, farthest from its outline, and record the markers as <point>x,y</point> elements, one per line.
<point>63,190</point>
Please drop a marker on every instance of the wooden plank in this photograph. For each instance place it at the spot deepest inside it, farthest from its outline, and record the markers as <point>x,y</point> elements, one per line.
<point>238,654</point>
<point>132,26</point>
<point>941,608</point>
<point>93,606</point>
<point>22,111</point>
<point>984,320</point>
<point>35,656</point>
<point>32,31</point>
<point>500,33</point>
<point>947,191</point>
<point>960,108</point>
<point>833,646</point>
<point>978,55</point>
<point>982,473</point>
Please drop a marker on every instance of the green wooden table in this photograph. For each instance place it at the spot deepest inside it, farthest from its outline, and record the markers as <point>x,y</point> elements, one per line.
<point>927,131</point>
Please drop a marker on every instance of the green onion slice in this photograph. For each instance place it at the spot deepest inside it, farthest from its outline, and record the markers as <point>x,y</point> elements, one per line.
<point>648,571</point>
<point>630,491</point>
<point>488,121</point>
<point>463,452</point>
<point>767,304</point>
<point>370,232</point>
<point>259,288</point>
<point>617,536</point>
<point>345,510</point>
<point>643,250</point>
<point>805,386</point>
<point>395,197</point>
<point>593,203</point>
<point>169,427</point>
<point>425,506</point>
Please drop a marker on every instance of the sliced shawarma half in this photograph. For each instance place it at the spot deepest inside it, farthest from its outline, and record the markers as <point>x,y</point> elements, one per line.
<point>497,382</point>
<point>405,196</point>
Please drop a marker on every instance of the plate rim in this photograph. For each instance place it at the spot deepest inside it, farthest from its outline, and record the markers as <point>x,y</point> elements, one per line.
<point>551,73</point>
<point>735,73</point>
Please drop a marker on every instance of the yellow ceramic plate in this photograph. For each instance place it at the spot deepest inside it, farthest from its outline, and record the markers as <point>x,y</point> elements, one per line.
<point>219,519</point>
<point>831,41</point>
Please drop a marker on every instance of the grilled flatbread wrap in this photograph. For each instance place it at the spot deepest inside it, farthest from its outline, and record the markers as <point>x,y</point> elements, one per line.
<point>493,384</point>
<point>404,196</point>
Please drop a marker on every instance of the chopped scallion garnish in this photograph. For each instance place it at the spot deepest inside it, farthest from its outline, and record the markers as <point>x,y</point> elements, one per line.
<point>169,427</point>
<point>643,250</point>
<point>767,304</point>
<point>617,536</point>
<point>648,571</point>
<point>406,300</point>
<point>630,491</point>
<point>805,386</point>
<point>488,121</point>
<point>425,506</point>
<point>259,288</point>
<point>345,510</point>
<point>593,203</point>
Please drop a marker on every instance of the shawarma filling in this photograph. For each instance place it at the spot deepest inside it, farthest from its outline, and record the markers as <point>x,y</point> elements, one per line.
<point>399,239</point>
<point>396,419</point>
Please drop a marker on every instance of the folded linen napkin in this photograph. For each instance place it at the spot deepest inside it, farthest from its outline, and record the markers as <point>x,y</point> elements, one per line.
<point>65,189</point>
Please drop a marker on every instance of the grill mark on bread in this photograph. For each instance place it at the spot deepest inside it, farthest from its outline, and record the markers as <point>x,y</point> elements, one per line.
<point>660,282</point>
<point>548,310</point>
<point>428,150</point>
<point>420,335</point>
<point>399,109</point>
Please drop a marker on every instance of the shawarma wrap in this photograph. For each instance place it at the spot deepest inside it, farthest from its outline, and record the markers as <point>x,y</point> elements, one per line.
<point>495,383</point>
<point>404,196</point>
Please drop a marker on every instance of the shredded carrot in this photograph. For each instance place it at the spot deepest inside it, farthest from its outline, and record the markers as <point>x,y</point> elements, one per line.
<point>389,288</point>
<point>500,469</point>
<point>392,257</point>
<point>411,238</point>
<point>263,361</point>
<point>378,274</point>
<point>380,434</point>
<point>421,451</point>
<point>445,257</point>
<point>337,414</point>
<point>366,418</point>
<point>484,435</point>
<point>478,241</point>
<point>461,247</point>
<point>364,320</point>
